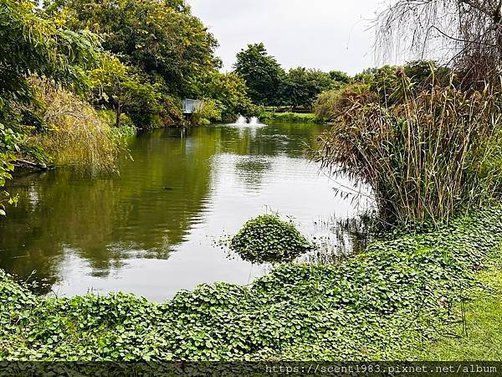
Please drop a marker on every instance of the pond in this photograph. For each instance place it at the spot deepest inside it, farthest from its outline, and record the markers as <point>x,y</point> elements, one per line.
<point>152,229</point>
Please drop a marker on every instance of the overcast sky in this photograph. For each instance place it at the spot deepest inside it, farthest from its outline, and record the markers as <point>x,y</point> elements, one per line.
<point>324,34</point>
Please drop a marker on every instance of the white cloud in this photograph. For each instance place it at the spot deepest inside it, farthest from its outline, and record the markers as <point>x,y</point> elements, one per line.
<point>324,34</point>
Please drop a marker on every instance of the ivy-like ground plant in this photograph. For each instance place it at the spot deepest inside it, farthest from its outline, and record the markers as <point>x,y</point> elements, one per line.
<point>385,303</point>
<point>267,238</point>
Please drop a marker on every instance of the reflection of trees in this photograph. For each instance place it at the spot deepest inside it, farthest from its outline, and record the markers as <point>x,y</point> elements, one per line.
<point>291,140</point>
<point>149,208</point>
<point>145,211</point>
<point>252,169</point>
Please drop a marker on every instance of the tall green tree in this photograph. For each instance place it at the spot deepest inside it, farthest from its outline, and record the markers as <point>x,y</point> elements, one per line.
<point>229,90</point>
<point>31,45</point>
<point>302,86</point>
<point>162,38</point>
<point>122,89</point>
<point>263,74</point>
<point>339,79</point>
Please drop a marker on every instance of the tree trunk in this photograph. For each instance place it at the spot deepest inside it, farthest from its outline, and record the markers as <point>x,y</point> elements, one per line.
<point>118,111</point>
<point>29,164</point>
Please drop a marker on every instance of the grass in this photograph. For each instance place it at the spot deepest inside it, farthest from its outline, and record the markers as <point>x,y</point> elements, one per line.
<point>428,154</point>
<point>76,134</point>
<point>481,337</point>
<point>289,117</point>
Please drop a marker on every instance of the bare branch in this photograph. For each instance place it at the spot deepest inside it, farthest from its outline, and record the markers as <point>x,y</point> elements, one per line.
<point>465,33</point>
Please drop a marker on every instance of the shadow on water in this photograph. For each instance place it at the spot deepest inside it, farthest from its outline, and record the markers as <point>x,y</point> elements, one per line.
<point>143,212</point>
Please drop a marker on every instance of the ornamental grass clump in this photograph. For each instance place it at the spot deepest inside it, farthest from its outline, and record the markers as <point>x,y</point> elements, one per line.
<point>75,134</point>
<point>267,238</point>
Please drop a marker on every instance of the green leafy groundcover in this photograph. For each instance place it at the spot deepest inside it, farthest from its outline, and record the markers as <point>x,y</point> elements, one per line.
<point>267,238</point>
<point>395,296</point>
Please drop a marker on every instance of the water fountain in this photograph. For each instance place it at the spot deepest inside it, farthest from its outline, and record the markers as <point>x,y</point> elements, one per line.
<point>241,120</point>
<point>252,122</point>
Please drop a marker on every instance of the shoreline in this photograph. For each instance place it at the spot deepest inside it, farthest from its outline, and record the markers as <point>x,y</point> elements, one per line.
<point>378,305</point>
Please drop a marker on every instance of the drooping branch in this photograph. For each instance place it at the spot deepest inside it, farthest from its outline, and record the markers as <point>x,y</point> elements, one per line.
<point>467,33</point>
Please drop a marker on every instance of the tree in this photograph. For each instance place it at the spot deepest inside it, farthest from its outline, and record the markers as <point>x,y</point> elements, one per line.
<point>387,81</point>
<point>122,89</point>
<point>262,73</point>
<point>30,45</point>
<point>160,37</point>
<point>466,33</point>
<point>302,86</point>
<point>230,92</point>
<point>339,78</point>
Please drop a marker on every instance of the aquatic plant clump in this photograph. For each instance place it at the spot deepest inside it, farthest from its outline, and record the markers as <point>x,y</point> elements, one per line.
<point>76,135</point>
<point>267,238</point>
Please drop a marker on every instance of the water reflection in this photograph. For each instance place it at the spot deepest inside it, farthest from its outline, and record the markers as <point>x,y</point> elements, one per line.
<point>343,237</point>
<point>149,230</point>
<point>251,170</point>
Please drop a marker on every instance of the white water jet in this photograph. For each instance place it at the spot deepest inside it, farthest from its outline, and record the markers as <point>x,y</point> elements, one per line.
<point>241,120</point>
<point>244,122</point>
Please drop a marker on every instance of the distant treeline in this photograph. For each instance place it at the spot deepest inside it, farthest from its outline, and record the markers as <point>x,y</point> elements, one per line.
<point>271,85</point>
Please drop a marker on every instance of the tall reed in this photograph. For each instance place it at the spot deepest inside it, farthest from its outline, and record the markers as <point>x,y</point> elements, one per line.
<point>428,156</point>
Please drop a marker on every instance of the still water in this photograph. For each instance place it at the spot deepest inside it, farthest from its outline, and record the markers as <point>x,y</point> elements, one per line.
<point>151,229</point>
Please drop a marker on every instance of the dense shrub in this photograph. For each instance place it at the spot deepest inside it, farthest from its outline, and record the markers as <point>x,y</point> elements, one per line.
<point>230,93</point>
<point>327,103</point>
<point>8,144</point>
<point>75,135</point>
<point>267,238</point>
<point>288,117</point>
<point>110,118</point>
<point>387,81</point>
<point>207,112</point>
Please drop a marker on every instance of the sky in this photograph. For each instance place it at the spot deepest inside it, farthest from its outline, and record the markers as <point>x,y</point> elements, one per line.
<point>322,34</point>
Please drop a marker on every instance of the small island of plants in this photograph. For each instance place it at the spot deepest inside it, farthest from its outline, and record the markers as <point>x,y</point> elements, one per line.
<point>267,238</point>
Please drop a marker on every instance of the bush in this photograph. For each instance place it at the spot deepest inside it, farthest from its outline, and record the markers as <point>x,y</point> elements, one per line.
<point>208,112</point>
<point>326,105</point>
<point>76,135</point>
<point>269,239</point>
<point>230,93</point>
<point>387,81</point>
<point>8,146</point>
<point>289,117</point>
<point>109,117</point>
